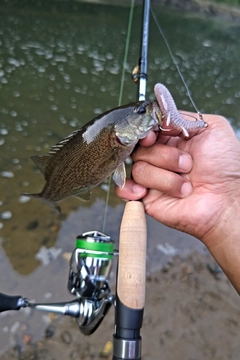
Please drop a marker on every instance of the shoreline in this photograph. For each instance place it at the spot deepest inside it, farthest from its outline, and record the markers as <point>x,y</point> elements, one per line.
<point>191,312</point>
<point>208,7</point>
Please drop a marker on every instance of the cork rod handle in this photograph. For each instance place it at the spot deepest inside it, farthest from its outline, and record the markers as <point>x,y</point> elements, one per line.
<point>132,256</point>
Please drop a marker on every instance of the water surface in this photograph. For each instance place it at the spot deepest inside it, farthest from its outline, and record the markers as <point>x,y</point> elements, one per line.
<point>60,66</point>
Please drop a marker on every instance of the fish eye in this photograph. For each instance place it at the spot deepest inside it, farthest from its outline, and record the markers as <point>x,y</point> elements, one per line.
<point>141,110</point>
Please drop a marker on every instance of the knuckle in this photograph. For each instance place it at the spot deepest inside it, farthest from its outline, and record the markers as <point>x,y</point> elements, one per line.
<point>139,170</point>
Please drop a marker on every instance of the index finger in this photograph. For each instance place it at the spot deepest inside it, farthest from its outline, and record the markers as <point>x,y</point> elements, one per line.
<point>149,140</point>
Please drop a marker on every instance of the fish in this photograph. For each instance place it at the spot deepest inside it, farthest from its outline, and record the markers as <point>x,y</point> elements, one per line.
<point>169,110</point>
<point>89,155</point>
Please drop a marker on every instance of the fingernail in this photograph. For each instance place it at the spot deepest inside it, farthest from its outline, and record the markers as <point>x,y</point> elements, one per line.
<point>138,189</point>
<point>185,162</point>
<point>186,189</point>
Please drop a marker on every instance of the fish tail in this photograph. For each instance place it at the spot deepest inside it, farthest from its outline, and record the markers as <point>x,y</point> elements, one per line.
<point>52,204</point>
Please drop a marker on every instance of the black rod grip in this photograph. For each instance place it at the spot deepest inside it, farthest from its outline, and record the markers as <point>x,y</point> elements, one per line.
<point>128,321</point>
<point>8,302</point>
<point>127,340</point>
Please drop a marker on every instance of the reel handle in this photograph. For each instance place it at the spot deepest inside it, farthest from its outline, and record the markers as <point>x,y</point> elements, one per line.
<point>131,280</point>
<point>9,302</point>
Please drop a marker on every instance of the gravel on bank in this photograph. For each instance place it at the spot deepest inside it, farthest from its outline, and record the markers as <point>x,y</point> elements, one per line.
<point>192,312</point>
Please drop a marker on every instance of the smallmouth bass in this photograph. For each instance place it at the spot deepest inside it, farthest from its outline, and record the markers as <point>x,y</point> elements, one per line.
<point>89,155</point>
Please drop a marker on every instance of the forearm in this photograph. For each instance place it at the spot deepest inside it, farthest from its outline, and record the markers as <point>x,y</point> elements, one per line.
<point>224,244</point>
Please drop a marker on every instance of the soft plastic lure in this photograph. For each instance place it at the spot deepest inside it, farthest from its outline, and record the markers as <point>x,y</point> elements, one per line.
<point>170,112</point>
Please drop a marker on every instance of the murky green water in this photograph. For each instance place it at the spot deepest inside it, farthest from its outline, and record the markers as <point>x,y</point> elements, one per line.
<point>60,66</point>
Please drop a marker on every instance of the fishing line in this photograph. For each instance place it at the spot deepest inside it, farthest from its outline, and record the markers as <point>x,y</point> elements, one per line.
<point>175,63</point>
<point>120,99</point>
<point>126,53</point>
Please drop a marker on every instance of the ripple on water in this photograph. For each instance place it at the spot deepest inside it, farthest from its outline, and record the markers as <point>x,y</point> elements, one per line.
<point>3,131</point>
<point>23,199</point>
<point>7,174</point>
<point>6,215</point>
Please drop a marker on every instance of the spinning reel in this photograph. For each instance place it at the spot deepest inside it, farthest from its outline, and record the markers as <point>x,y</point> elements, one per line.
<point>90,267</point>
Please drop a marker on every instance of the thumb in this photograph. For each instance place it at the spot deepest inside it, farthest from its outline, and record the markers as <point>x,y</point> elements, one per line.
<point>131,191</point>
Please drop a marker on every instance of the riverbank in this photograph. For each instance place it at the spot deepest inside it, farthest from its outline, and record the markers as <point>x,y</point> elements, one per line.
<point>191,312</point>
<point>205,7</point>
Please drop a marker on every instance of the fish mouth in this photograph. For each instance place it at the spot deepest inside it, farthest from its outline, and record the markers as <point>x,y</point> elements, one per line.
<point>156,114</point>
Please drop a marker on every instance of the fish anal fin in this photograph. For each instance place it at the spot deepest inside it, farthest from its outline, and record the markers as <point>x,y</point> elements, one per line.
<point>119,175</point>
<point>54,205</point>
<point>84,196</point>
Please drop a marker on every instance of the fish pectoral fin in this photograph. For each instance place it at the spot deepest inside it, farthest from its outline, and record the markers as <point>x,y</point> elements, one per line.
<point>84,196</point>
<point>119,175</point>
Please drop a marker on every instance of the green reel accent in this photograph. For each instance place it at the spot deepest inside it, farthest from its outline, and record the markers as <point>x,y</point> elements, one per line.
<point>101,247</point>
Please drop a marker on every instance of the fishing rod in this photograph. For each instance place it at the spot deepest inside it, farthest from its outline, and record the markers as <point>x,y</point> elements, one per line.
<point>91,263</point>
<point>131,277</point>
<point>143,61</point>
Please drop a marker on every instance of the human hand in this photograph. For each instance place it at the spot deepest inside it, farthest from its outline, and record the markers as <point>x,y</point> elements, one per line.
<point>197,198</point>
<point>202,198</point>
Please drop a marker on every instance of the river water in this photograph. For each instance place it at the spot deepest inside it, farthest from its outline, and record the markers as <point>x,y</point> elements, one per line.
<point>60,66</point>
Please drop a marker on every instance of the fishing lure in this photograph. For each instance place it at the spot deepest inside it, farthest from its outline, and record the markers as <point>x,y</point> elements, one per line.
<point>169,110</point>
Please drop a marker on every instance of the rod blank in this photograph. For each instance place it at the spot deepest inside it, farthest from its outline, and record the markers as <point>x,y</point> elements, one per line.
<point>144,53</point>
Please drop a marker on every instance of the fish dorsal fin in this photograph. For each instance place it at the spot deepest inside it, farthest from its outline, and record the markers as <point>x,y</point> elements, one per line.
<point>119,175</point>
<point>41,161</point>
<point>55,148</point>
